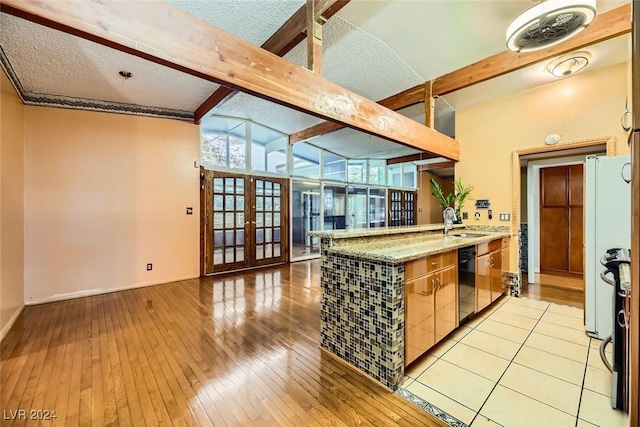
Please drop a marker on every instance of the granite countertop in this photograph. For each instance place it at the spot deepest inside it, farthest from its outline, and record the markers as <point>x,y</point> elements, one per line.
<point>405,249</point>
<point>383,231</point>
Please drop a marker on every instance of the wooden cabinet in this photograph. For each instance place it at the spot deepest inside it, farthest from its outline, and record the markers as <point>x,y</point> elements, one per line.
<point>419,317</point>
<point>493,257</point>
<point>495,262</point>
<point>446,302</point>
<point>431,295</point>
<point>483,282</point>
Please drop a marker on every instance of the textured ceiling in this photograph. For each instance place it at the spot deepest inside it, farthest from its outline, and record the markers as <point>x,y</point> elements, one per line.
<point>374,48</point>
<point>605,54</point>
<point>436,37</point>
<point>341,66</point>
<point>52,66</point>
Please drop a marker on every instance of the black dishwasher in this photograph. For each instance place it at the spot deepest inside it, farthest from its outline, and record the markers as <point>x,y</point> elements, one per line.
<point>466,282</point>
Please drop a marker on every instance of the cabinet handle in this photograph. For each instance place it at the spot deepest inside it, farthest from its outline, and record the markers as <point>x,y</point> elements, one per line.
<point>434,263</point>
<point>437,283</point>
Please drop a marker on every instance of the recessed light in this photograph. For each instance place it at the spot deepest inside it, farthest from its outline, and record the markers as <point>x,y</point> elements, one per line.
<point>126,74</point>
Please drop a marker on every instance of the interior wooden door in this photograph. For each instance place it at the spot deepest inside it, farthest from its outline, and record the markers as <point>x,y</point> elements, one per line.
<point>576,219</point>
<point>561,219</point>
<point>402,207</point>
<point>226,222</point>
<point>269,221</point>
<point>245,221</point>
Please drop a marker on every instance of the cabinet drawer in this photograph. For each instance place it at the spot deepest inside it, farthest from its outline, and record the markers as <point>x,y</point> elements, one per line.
<point>505,242</point>
<point>485,248</point>
<point>449,259</point>
<point>415,268</point>
<point>422,266</point>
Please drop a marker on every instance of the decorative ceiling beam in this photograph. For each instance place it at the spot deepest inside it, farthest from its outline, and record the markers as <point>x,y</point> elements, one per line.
<point>435,166</point>
<point>314,38</point>
<point>605,26</point>
<point>411,158</point>
<point>288,36</point>
<point>429,105</point>
<point>409,97</point>
<point>166,35</point>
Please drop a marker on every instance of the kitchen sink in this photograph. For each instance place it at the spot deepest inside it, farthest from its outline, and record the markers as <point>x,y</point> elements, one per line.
<point>468,235</point>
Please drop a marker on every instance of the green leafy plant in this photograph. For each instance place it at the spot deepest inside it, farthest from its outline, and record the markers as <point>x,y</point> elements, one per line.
<point>455,199</point>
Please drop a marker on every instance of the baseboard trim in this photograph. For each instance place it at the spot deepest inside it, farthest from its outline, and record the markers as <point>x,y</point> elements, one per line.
<point>94,292</point>
<point>7,327</point>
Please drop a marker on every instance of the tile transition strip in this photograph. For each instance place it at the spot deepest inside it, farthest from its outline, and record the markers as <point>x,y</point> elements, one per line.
<point>433,410</point>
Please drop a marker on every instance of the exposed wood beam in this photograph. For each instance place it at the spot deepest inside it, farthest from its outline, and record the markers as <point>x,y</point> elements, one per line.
<point>434,166</point>
<point>605,26</point>
<point>288,36</point>
<point>410,158</point>
<point>314,38</point>
<point>429,105</point>
<point>166,35</point>
<point>403,99</point>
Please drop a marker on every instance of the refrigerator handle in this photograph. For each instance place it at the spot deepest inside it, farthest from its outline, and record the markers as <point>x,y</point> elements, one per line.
<point>604,277</point>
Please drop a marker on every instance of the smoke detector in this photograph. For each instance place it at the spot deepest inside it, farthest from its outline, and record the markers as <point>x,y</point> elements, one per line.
<point>549,23</point>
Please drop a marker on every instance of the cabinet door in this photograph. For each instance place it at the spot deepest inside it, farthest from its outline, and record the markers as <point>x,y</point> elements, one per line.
<point>495,260</point>
<point>446,287</point>
<point>483,282</point>
<point>419,317</point>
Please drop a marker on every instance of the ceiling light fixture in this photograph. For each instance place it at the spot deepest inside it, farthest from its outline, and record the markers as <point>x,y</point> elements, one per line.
<point>126,74</point>
<point>549,23</point>
<point>568,64</point>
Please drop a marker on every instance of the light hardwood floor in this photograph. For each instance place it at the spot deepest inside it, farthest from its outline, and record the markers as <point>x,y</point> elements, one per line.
<point>233,350</point>
<point>554,288</point>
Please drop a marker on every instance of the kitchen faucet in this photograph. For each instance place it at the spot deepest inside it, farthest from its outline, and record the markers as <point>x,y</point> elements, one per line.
<point>449,216</point>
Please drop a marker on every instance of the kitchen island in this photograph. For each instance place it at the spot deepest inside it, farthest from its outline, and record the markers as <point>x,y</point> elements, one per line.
<point>363,289</point>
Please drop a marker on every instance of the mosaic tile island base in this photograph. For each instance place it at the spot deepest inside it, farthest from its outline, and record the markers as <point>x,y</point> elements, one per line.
<point>362,285</point>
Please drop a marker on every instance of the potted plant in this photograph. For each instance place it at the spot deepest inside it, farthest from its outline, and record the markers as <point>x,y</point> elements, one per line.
<point>455,199</point>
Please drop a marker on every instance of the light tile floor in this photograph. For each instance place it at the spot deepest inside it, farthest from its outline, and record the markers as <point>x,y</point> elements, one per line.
<point>521,362</point>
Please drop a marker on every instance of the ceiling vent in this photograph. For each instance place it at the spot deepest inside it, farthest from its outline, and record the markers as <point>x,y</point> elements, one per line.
<point>549,23</point>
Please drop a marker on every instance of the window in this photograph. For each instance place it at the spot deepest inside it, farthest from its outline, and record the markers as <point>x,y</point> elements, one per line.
<point>268,150</point>
<point>377,172</point>
<point>357,171</point>
<point>395,175</point>
<point>334,167</point>
<point>223,143</point>
<point>409,174</point>
<point>306,160</point>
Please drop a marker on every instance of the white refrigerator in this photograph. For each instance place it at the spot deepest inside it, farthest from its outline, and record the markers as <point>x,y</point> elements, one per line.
<point>607,226</point>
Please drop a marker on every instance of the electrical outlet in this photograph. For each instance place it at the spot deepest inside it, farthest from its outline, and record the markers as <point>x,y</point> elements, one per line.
<point>149,267</point>
<point>465,215</point>
<point>490,214</point>
<point>189,211</point>
<point>505,216</point>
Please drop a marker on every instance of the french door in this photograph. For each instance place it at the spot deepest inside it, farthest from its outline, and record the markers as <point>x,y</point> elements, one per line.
<point>402,207</point>
<point>245,221</point>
